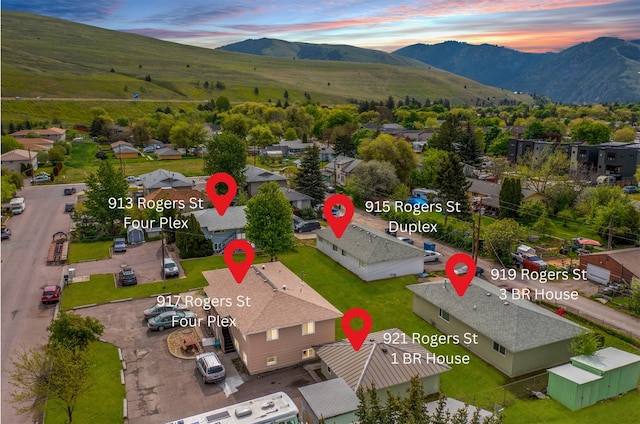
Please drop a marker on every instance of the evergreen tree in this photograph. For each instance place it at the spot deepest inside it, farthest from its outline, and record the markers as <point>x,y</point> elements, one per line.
<point>449,135</point>
<point>345,145</point>
<point>308,180</point>
<point>467,147</point>
<point>510,198</point>
<point>191,241</point>
<point>453,185</point>
<point>269,217</point>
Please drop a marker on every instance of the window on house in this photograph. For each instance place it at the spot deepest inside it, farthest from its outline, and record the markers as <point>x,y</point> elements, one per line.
<point>335,248</point>
<point>329,370</point>
<point>272,334</point>
<point>499,348</point>
<point>272,360</point>
<point>244,358</point>
<point>444,315</point>
<point>308,353</point>
<point>236,345</point>
<point>308,328</point>
<point>344,253</point>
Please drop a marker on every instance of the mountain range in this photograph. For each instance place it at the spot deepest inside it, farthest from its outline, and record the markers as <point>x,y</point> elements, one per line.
<point>603,70</point>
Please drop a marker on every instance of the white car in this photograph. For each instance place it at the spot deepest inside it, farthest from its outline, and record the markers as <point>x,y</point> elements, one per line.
<point>432,256</point>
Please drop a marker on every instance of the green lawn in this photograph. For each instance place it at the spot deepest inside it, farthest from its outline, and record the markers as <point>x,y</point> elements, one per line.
<point>102,403</point>
<point>84,251</point>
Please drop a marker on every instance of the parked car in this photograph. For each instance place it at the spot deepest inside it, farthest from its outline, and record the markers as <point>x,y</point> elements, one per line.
<point>157,309</point>
<point>69,207</point>
<point>464,269</point>
<point>307,226</point>
<point>119,245</point>
<point>331,189</point>
<point>172,319</point>
<point>210,367</point>
<point>131,179</point>
<point>127,277</point>
<point>69,191</point>
<point>40,179</point>
<point>51,294</point>
<point>630,189</point>
<point>6,233</point>
<point>391,233</point>
<point>432,256</point>
<point>169,268</point>
<point>406,240</point>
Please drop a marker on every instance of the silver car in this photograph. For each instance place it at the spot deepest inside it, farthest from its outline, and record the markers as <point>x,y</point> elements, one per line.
<point>172,319</point>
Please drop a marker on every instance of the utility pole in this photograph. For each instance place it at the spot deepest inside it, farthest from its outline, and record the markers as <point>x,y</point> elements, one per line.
<point>610,240</point>
<point>477,240</point>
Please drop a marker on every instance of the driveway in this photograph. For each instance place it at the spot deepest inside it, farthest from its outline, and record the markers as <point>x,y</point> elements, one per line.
<point>161,388</point>
<point>145,259</point>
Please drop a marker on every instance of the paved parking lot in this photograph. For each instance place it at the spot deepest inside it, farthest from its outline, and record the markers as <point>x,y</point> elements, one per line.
<point>161,387</point>
<point>145,259</point>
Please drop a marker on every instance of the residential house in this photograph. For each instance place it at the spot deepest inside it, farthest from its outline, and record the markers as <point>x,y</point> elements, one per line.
<point>162,178</point>
<point>620,265</point>
<point>38,144</point>
<point>18,160</point>
<point>286,148</point>
<point>618,159</point>
<point>518,148</point>
<point>167,153</point>
<point>222,229</point>
<point>332,400</point>
<point>327,153</point>
<point>191,199</point>
<point>489,193</point>
<point>113,146</point>
<point>296,199</point>
<point>257,176</point>
<point>338,170</point>
<point>285,319</point>
<point>516,336</point>
<point>589,379</point>
<point>125,152</point>
<point>53,134</point>
<point>391,129</point>
<point>380,361</point>
<point>370,254</point>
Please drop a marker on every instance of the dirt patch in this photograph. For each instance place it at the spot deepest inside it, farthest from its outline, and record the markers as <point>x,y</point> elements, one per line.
<point>239,365</point>
<point>175,343</point>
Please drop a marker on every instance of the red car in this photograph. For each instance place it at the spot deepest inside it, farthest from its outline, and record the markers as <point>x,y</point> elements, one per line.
<point>51,294</point>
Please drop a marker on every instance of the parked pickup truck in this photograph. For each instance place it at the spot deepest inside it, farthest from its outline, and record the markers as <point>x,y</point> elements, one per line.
<point>528,261</point>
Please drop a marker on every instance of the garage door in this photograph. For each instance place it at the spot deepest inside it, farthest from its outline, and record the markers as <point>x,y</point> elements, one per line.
<point>598,274</point>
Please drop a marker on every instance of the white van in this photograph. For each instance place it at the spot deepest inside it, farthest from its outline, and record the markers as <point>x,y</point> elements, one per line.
<point>606,180</point>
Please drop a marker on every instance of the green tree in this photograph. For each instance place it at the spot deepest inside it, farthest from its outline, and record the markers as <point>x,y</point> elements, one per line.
<point>191,242</point>
<point>73,331</point>
<point>531,211</point>
<point>269,216</point>
<point>561,197</point>
<point>370,180</point>
<point>538,172</point>
<point>290,134</point>
<point>10,143</point>
<point>386,148</point>
<point>142,131</point>
<point>237,124</point>
<point>56,154</point>
<point>186,135</point>
<point>543,224</point>
<point>452,185</point>
<point>308,179</point>
<point>425,176</point>
<point>535,130</point>
<point>103,185</point>
<point>222,103</point>
<point>500,145</point>
<point>467,147</point>
<point>624,135</point>
<point>261,135</point>
<point>584,344</point>
<point>449,134</point>
<point>54,374</point>
<point>227,153</point>
<point>510,198</point>
<point>593,132</point>
<point>500,238</point>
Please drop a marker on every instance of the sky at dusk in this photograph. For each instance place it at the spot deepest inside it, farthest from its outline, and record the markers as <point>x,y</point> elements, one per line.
<point>526,25</point>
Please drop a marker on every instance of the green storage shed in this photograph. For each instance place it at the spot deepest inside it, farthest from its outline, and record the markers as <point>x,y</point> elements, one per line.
<point>589,379</point>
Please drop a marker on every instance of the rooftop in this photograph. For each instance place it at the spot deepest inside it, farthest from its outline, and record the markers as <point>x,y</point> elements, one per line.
<point>627,257</point>
<point>516,324</point>
<point>369,245</point>
<point>173,194</point>
<point>162,178</point>
<point>373,364</point>
<point>279,298</point>
<point>233,218</point>
<point>330,398</point>
<point>17,154</point>
<point>255,174</point>
<point>607,359</point>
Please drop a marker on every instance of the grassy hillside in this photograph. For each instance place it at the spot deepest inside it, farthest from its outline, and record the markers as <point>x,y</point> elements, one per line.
<point>54,58</point>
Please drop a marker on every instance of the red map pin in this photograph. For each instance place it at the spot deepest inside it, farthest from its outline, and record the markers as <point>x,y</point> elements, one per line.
<point>356,337</point>
<point>221,201</point>
<point>338,223</point>
<point>239,269</point>
<point>460,282</point>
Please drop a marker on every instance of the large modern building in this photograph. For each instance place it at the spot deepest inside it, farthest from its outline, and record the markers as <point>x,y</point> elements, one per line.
<point>515,336</point>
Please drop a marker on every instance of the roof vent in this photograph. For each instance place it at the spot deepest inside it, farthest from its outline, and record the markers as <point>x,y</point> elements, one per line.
<point>284,287</point>
<point>384,350</point>
<point>505,303</point>
<point>488,294</point>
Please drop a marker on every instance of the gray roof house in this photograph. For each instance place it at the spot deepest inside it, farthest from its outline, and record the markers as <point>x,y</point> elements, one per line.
<point>338,170</point>
<point>257,176</point>
<point>515,336</point>
<point>222,229</point>
<point>298,200</point>
<point>162,178</point>
<point>332,400</point>
<point>374,363</point>
<point>370,254</point>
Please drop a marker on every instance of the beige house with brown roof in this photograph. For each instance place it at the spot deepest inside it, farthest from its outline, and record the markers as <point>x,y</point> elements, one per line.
<point>54,134</point>
<point>272,319</point>
<point>380,361</point>
<point>14,159</point>
<point>38,144</point>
